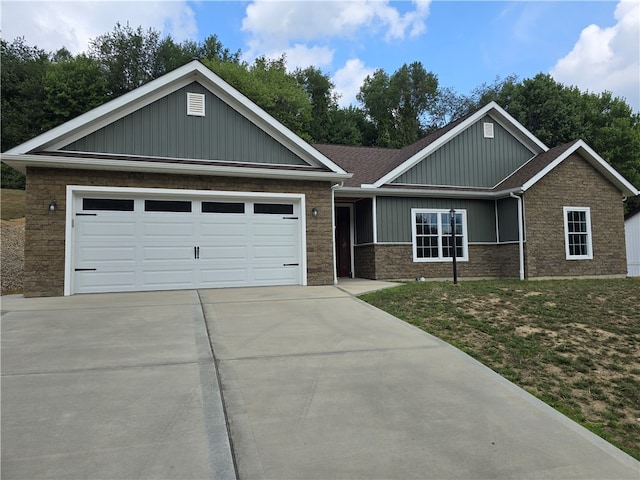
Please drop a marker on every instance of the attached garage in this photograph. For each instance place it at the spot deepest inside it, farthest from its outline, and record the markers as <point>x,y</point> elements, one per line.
<point>147,192</point>
<point>130,240</point>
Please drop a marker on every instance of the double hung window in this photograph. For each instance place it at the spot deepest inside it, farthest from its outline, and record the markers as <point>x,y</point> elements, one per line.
<point>432,240</point>
<point>577,233</point>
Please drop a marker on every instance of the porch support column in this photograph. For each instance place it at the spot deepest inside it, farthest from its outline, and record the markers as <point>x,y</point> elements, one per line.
<point>520,233</point>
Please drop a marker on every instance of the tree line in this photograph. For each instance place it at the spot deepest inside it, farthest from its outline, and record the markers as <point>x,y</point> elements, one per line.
<point>40,90</point>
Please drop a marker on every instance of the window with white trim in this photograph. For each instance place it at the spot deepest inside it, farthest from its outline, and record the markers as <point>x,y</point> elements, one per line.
<point>577,233</point>
<point>431,234</point>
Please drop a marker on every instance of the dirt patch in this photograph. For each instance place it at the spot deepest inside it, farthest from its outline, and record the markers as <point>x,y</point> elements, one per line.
<point>11,255</point>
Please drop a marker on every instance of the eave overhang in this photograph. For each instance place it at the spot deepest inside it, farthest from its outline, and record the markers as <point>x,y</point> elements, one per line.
<point>368,191</point>
<point>21,162</point>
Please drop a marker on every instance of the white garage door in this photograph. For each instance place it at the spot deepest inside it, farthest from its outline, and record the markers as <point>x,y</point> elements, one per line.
<point>149,243</point>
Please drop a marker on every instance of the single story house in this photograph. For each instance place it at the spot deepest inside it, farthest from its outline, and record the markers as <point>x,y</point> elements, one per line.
<point>632,236</point>
<point>184,183</point>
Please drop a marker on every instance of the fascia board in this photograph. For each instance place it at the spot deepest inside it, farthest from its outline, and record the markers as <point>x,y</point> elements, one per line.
<point>20,162</point>
<point>595,160</point>
<point>492,109</point>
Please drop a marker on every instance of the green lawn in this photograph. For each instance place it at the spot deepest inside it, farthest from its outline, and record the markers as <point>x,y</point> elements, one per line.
<point>573,343</point>
<point>11,204</point>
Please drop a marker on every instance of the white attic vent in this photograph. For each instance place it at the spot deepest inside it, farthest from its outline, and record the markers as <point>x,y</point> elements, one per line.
<point>195,104</point>
<point>488,129</point>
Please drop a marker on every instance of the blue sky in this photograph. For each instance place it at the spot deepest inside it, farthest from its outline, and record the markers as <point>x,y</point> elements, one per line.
<point>594,45</point>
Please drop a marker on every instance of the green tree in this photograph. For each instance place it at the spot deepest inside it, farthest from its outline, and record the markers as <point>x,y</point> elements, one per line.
<point>349,126</point>
<point>72,87</point>
<point>558,114</point>
<point>319,90</point>
<point>22,95</point>
<point>414,93</point>
<point>379,105</point>
<point>267,84</point>
<point>22,91</point>
<point>128,57</point>
<point>400,105</point>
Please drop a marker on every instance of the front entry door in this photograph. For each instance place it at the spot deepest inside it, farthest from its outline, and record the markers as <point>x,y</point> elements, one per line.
<point>343,241</point>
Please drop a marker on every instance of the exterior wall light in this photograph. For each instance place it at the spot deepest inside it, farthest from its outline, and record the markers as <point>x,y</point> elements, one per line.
<point>53,206</point>
<point>314,211</point>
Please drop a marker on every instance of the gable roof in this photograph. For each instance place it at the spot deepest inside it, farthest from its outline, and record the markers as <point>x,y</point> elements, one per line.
<point>41,150</point>
<point>413,154</point>
<point>383,165</point>
<point>374,168</point>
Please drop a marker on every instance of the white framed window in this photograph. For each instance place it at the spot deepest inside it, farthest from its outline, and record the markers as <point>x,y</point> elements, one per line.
<point>431,235</point>
<point>577,233</point>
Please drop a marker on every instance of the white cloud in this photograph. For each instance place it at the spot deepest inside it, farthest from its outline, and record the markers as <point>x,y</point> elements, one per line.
<point>275,25</point>
<point>607,58</point>
<point>303,56</point>
<point>348,80</point>
<point>52,25</point>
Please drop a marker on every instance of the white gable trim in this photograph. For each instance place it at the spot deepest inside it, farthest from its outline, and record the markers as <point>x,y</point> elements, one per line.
<point>160,87</point>
<point>595,160</point>
<point>492,109</point>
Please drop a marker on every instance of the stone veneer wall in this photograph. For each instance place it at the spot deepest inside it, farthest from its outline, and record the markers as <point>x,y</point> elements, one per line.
<point>45,231</point>
<point>573,183</point>
<point>395,261</point>
<point>364,261</point>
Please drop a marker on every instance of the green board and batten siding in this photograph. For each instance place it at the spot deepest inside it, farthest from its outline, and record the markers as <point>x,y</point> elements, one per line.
<point>470,160</point>
<point>364,221</point>
<point>394,217</point>
<point>163,129</point>
<point>508,219</point>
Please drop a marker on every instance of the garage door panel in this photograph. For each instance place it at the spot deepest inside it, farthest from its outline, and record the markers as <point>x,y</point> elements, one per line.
<point>121,255</point>
<point>224,276</point>
<point>99,228</point>
<point>213,225</point>
<point>275,275</point>
<point>281,253</point>
<point>223,253</point>
<point>167,253</point>
<point>105,281</point>
<point>167,278</point>
<point>160,230</point>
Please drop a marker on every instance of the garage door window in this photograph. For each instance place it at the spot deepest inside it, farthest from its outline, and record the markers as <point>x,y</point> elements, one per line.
<point>167,206</point>
<point>222,207</point>
<point>109,204</point>
<point>273,208</point>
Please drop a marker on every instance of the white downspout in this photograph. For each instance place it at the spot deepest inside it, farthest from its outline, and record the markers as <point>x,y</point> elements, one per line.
<point>333,223</point>
<point>520,233</point>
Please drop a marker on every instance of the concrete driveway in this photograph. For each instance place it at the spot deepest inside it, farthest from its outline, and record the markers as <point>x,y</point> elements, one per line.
<point>117,386</point>
<point>316,384</point>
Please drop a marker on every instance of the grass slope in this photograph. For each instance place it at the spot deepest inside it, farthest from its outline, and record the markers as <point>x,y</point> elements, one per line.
<point>575,344</point>
<point>11,204</point>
